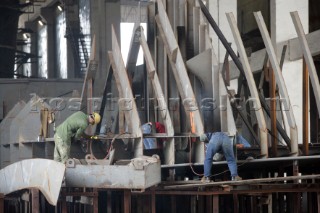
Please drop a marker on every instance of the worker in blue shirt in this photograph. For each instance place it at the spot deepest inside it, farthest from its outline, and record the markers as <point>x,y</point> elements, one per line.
<point>219,142</point>
<point>149,143</point>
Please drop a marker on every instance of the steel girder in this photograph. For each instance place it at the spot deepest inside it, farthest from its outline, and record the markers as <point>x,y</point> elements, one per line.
<point>127,104</point>
<point>280,81</point>
<point>181,76</point>
<point>252,86</point>
<point>179,70</point>
<point>308,57</point>
<point>162,105</point>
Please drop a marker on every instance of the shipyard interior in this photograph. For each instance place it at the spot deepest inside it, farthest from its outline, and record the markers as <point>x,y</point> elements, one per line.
<point>155,78</point>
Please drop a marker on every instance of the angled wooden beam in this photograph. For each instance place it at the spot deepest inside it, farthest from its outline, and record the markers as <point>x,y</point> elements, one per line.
<point>308,57</point>
<point>126,102</point>
<point>164,111</point>
<point>251,84</point>
<point>280,81</point>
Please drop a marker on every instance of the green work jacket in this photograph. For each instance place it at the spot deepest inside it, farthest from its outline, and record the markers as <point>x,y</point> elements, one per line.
<point>73,126</point>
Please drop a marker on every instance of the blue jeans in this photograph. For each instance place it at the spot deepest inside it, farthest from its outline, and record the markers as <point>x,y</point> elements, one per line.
<point>149,143</point>
<point>220,142</point>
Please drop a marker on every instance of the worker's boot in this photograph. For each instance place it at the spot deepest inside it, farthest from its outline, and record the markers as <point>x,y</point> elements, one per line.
<point>205,179</point>
<point>236,178</point>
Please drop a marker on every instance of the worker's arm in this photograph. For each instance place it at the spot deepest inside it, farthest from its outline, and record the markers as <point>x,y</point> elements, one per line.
<point>239,146</point>
<point>242,143</point>
<point>80,133</point>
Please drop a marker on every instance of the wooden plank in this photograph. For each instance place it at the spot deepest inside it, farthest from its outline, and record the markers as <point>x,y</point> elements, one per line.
<point>308,57</point>
<point>280,81</point>
<point>251,84</point>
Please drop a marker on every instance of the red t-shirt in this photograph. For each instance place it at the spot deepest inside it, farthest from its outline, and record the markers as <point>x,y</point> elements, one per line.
<point>160,128</point>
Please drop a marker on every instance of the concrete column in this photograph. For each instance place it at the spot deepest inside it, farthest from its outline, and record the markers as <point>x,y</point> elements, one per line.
<point>282,29</point>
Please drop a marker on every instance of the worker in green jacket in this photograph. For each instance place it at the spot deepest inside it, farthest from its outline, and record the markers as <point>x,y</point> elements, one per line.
<point>73,126</point>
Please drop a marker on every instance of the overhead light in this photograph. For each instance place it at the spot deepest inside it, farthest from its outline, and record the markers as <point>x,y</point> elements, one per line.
<point>40,23</point>
<point>60,8</point>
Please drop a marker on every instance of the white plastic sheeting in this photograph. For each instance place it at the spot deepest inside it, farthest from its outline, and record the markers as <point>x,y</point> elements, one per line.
<point>45,175</point>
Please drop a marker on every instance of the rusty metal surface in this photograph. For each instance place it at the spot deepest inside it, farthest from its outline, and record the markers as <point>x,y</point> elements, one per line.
<point>138,173</point>
<point>42,174</point>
